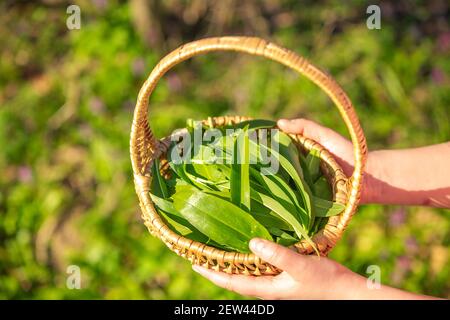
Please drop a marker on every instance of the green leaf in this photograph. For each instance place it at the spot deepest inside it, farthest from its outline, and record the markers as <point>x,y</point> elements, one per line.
<point>322,196</point>
<point>186,171</point>
<point>259,211</point>
<point>275,187</point>
<point>174,218</point>
<point>218,219</point>
<point>288,149</point>
<point>254,124</point>
<point>291,205</point>
<point>325,208</point>
<point>267,218</point>
<point>204,167</point>
<point>284,241</point>
<point>175,166</point>
<point>322,189</point>
<point>179,224</point>
<point>313,165</point>
<point>158,185</point>
<point>197,180</point>
<point>240,180</point>
<point>303,188</point>
<point>278,189</point>
<point>209,173</point>
<point>277,208</point>
<point>282,237</point>
<point>190,123</point>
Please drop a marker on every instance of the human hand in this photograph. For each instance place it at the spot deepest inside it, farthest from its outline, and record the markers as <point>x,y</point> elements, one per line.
<point>417,176</point>
<point>340,147</point>
<point>304,277</point>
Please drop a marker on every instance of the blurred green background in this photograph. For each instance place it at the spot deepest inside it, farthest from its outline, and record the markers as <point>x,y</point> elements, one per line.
<point>66,103</point>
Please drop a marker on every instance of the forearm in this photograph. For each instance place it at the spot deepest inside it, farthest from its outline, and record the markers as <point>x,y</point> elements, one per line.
<point>357,288</point>
<point>418,176</point>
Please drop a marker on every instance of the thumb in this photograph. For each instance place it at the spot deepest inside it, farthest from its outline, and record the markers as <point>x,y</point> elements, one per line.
<point>277,255</point>
<point>306,128</point>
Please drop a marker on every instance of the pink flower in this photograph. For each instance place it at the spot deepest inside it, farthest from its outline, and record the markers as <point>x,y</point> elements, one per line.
<point>411,245</point>
<point>138,67</point>
<point>25,174</point>
<point>443,42</point>
<point>398,217</point>
<point>438,76</point>
<point>96,105</point>
<point>174,82</point>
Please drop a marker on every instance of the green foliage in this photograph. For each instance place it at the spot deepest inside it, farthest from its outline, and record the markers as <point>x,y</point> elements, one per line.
<point>228,187</point>
<point>218,219</point>
<point>67,97</point>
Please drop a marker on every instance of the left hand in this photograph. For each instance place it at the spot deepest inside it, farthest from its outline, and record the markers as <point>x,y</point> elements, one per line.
<point>304,277</point>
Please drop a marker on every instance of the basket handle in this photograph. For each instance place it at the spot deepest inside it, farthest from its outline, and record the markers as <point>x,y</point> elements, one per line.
<point>143,144</point>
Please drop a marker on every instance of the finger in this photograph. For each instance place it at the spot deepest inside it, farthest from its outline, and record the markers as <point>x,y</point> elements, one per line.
<point>262,286</point>
<point>339,146</point>
<point>278,255</point>
<point>306,128</point>
<point>292,126</point>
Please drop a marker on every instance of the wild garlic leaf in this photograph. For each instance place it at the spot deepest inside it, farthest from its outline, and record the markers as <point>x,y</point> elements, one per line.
<point>282,237</point>
<point>254,124</point>
<point>209,172</point>
<point>260,212</point>
<point>303,188</point>
<point>313,164</point>
<point>269,219</point>
<point>220,220</point>
<point>322,199</point>
<point>178,224</point>
<point>286,241</point>
<point>164,206</point>
<point>325,208</point>
<point>288,149</point>
<point>219,187</point>
<point>322,189</point>
<point>286,215</point>
<point>240,177</point>
<point>158,185</point>
<point>278,189</point>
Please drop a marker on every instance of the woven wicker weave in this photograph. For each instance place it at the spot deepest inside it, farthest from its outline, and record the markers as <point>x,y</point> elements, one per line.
<point>144,147</point>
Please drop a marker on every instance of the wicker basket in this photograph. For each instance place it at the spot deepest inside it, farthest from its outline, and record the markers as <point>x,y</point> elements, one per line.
<point>144,147</point>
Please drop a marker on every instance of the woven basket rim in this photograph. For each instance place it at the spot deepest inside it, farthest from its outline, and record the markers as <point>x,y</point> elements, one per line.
<point>144,146</point>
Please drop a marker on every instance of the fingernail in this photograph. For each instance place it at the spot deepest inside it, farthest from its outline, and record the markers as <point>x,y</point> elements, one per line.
<point>283,122</point>
<point>257,245</point>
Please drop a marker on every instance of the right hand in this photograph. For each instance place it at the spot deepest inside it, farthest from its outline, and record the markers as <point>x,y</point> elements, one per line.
<point>340,147</point>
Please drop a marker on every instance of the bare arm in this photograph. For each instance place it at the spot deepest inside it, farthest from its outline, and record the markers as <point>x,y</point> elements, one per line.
<point>419,176</point>
<point>304,277</point>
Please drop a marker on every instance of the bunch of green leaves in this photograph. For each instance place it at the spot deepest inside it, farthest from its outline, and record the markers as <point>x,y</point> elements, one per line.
<point>219,196</point>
